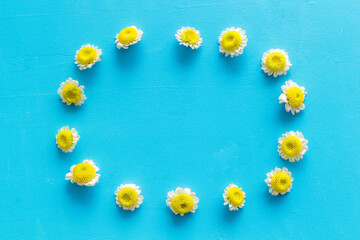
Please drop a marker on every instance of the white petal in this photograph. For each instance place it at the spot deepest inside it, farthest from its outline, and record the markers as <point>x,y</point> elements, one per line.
<point>282,98</point>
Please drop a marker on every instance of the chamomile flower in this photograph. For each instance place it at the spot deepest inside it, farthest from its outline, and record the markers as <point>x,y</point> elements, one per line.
<point>71,93</point>
<point>127,37</point>
<point>293,96</point>
<point>292,146</point>
<point>279,181</point>
<point>232,41</point>
<point>189,37</point>
<point>83,174</point>
<point>182,201</point>
<point>234,197</point>
<point>87,56</point>
<point>275,62</point>
<point>128,196</point>
<point>67,138</point>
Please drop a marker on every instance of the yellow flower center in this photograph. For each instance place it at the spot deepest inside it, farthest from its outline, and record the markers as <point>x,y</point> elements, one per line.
<point>127,35</point>
<point>235,196</point>
<point>71,93</point>
<point>83,173</point>
<point>231,40</point>
<point>276,61</point>
<point>87,55</point>
<point>190,36</point>
<point>182,203</point>
<point>295,97</point>
<point>280,182</point>
<point>128,197</point>
<point>291,146</point>
<point>64,139</point>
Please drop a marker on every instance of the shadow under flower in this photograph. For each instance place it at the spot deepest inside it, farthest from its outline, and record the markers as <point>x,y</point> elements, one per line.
<point>80,194</point>
<point>274,200</point>
<point>185,55</point>
<point>232,64</point>
<point>126,58</point>
<point>230,216</point>
<point>86,76</point>
<point>178,220</point>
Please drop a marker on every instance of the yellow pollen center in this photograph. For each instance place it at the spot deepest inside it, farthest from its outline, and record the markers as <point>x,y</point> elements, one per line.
<point>64,139</point>
<point>87,55</point>
<point>190,36</point>
<point>276,61</point>
<point>231,40</point>
<point>71,93</point>
<point>128,197</point>
<point>291,146</point>
<point>295,97</point>
<point>127,35</point>
<point>235,196</point>
<point>280,182</point>
<point>182,203</point>
<point>83,173</point>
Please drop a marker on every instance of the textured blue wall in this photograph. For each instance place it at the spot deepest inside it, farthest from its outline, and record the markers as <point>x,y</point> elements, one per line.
<point>161,116</point>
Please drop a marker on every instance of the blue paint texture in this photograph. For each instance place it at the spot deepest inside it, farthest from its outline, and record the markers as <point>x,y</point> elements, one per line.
<point>160,115</point>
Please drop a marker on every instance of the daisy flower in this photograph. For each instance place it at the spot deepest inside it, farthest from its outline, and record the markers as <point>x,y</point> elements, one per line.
<point>127,37</point>
<point>70,92</point>
<point>67,138</point>
<point>182,201</point>
<point>232,41</point>
<point>189,37</point>
<point>279,181</point>
<point>128,196</point>
<point>87,56</point>
<point>293,96</point>
<point>234,197</point>
<point>84,174</point>
<point>292,146</point>
<point>275,62</point>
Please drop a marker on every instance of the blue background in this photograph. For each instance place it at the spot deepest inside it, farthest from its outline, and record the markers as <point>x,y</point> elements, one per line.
<point>161,115</point>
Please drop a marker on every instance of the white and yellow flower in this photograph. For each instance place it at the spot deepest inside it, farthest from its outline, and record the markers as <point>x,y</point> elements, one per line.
<point>292,146</point>
<point>275,62</point>
<point>83,174</point>
<point>71,93</point>
<point>189,37</point>
<point>67,138</point>
<point>293,96</point>
<point>128,196</point>
<point>182,201</point>
<point>127,37</point>
<point>279,181</point>
<point>87,56</point>
<point>234,197</point>
<point>232,41</point>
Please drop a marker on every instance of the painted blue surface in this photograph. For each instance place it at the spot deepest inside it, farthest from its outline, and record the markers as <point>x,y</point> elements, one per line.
<point>160,115</point>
